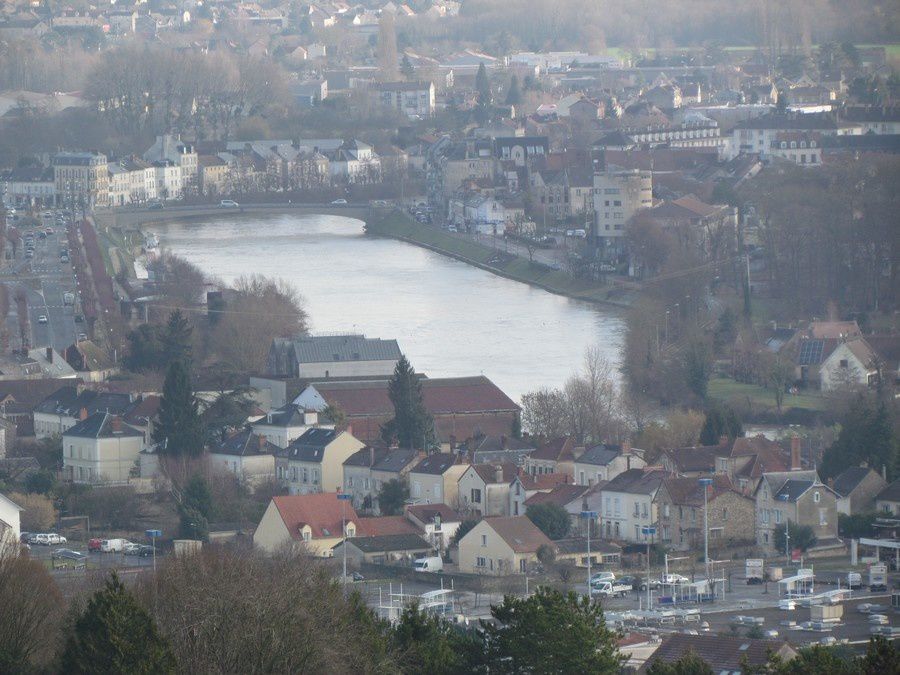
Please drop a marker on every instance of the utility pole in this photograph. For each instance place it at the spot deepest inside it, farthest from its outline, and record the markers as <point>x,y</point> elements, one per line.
<point>705,483</point>
<point>344,497</point>
<point>589,516</point>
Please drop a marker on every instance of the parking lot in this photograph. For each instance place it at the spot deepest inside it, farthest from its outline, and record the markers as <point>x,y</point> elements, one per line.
<point>94,560</point>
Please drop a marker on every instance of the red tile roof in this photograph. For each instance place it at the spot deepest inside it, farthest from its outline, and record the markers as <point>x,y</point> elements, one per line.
<point>488,472</point>
<point>544,481</point>
<point>323,512</point>
<point>558,450</point>
<point>560,495</point>
<point>442,396</point>
<point>385,525</point>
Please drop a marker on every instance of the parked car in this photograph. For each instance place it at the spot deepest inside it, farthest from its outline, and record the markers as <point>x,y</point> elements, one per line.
<point>42,318</point>
<point>339,202</point>
<point>23,537</point>
<point>600,577</point>
<point>356,576</point>
<point>54,539</point>
<point>229,204</point>
<point>68,554</point>
<point>63,258</point>
<point>94,545</point>
<point>131,548</point>
<point>145,551</point>
<point>673,579</point>
<point>637,583</point>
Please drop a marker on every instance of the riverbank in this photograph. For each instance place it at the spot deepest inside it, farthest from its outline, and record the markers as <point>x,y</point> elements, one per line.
<point>398,226</point>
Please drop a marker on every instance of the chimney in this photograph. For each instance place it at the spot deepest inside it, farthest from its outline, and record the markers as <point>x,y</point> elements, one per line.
<point>626,447</point>
<point>498,474</point>
<point>116,424</point>
<point>795,453</point>
<point>723,440</point>
<point>50,354</point>
<point>82,414</point>
<point>349,429</point>
<point>831,483</point>
<point>261,439</point>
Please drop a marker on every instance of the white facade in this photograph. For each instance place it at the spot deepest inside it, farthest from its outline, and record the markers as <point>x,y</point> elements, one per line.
<point>618,195</point>
<point>624,514</point>
<point>100,460</point>
<point>252,468</point>
<point>10,527</point>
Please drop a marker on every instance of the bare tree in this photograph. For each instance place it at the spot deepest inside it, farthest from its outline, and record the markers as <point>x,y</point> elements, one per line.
<point>387,47</point>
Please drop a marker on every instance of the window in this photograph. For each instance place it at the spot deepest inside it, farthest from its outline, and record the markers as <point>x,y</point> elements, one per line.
<point>522,566</point>
<point>581,477</point>
<point>724,515</point>
<point>366,483</point>
<point>637,509</point>
<point>484,540</point>
<point>294,473</point>
<point>777,516</point>
<point>608,509</point>
<point>417,489</point>
<point>305,475</point>
<point>845,363</point>
<point>350,482</point>
<point>823,516</point>
<point>817,497</point>
<point>480,562</point>
<point>476,496</point>
<point>666,510</point>
<point>644,510</point>
<point>306,536</point>
<point>617,506</point>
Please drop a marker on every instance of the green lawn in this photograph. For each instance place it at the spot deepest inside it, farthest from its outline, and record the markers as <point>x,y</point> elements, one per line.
<point>726,389</point>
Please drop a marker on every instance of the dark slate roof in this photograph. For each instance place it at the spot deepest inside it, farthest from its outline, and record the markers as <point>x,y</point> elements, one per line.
<point>289,415</point>
<point>310,447</point>
<point>793,489</point>
<point>722,652</point>
<point>100,425</point>
<point>436,464</point>
<point>67,401</point>
<point>390,542</point>
<point>891,493</point>
<point>599,455</point>
<point>395,460</point>
<point>245,444</point>
<point>326,348</point>
<point>364,456</point>
<point>636,481</point>
<point>614,138</point>
<point>847,481</point>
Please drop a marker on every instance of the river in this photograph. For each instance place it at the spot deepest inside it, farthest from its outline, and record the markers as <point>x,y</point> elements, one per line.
<point>450,319</point>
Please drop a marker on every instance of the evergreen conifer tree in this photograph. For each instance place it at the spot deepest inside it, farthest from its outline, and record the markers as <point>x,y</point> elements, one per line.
<point>180,427</point>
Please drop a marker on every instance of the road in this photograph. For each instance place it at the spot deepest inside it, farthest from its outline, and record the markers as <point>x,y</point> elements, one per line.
<point>46,280</point>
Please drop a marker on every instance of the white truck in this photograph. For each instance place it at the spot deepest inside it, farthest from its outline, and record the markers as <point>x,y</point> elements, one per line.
<point>878,577</point>
<point>610,589</point>
<point>429,564</point>
<point>753,570</point>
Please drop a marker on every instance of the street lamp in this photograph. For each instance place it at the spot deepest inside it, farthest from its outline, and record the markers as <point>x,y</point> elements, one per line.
<point>706,482</point>
<point>648,531</point>
<point>344,497</point>
<point>590,516</point>
<point>153,535</point>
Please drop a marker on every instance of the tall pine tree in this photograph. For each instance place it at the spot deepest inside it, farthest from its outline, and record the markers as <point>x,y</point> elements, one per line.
<point>514,94</point>
<point>412,425</point>
<point>115,634</point>
<point>176,339</point>
<point>180,427</point>
<point>485,97</point>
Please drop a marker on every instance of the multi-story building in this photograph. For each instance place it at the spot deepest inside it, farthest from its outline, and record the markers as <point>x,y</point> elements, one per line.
<point>212,175</point>
<point>759,134</point>
<point>28,186</point>
<point>730,515</point>
<point>169,181</point>
<point>101,448</point>
<point>131,181</point>
<point>604,462</point>
<point>435,480</point>
<point>798,497</point>
<point>81,179</point>
<point>327,356</point>
<point>799,147</point>
<point>314,462</point>
<point>629,505</point>
<point>618,195</point>
<point>169,148</point>
<point>484,489</point>
<point>470,160</point>
<point>413,99</point>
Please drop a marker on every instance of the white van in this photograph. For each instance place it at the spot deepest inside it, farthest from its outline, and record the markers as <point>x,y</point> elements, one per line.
<point>432,564</point>
<point>113,545</point>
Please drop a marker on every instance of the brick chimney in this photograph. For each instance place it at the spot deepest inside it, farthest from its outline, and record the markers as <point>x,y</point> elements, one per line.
<point>82,414</point>
<point>261,439</point>
<point>723,440</point>
<point>795,453</point>
<point>116,424</point>
<point>626,447</point>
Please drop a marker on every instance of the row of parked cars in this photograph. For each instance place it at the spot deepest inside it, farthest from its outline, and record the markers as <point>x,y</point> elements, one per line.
<point>119,546</point>
<point>42,538</point>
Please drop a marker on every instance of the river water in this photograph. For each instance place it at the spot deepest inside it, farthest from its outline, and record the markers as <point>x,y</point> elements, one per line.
<point>450,319</point>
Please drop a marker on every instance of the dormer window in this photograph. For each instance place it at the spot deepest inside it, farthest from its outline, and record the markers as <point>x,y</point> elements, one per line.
<point>783,145</point>
<point>817,497</point>
<point>812,144</point>
<point>793,145</point>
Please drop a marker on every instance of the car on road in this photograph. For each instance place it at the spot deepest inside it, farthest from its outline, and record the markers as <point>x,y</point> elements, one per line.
<point>29,255</point>
<point>82,337</point>
<point>339,202</point>
<point>49,230</point>
<point>229,204</point>
<point>63,258</point>
<point>43,318</point>
<point>68,554</point>
<point>156,206</point>
<point>79,318</point>
<point>42,235</point>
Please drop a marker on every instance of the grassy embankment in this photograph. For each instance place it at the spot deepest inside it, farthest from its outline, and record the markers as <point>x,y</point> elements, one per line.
<point>399,226</point>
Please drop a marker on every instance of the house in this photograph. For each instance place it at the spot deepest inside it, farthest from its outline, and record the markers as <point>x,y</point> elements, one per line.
<point>723,653</point>
<point>435,479</point>
<point>287,423</point>
<point>484,489</point>
<point>314,522</point>
<point>100,448</point>
<point>605,462</point>
<point>69,404</point>
<point>384,549</point>
<point>327,356</point>
<point>888,500</point>
<point>501,545</point>
<point>394,465</point>
<point>438,521</point>
<point>831,355</point>
<point>574,499</point>
<point>575,551</point>
<point>731,516</point>
<point>857,487</point>
<point>799,147</point>
<point>212,175</point>
<point>247,455</point>
<point>91,362</point>
<point>629,504</point>
<point>358,480</point>
<point>354,162</point>
<point>10,523</point>
<point>81,179</point>
<point>28,186</point>
<point>314,461</point>
<point>750,457</point>
<point>555,456</point>
<point>462,407</point>
<point>799,497</point>
<point>499,448</point>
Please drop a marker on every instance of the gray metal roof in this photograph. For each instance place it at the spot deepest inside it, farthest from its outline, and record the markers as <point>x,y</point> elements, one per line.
<point>793,489</point>
<point>100,425</point>
<point>328,348</point>
<point>600,455</point>
<point>310,447</point>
